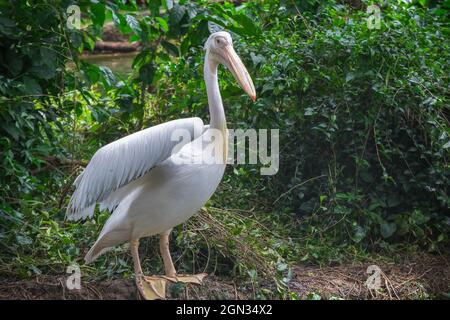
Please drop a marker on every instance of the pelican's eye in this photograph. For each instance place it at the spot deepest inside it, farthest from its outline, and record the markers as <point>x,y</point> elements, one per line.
<point>220,42</point>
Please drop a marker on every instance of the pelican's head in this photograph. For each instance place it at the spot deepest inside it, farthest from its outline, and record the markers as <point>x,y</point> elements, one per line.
<point>219,48</point>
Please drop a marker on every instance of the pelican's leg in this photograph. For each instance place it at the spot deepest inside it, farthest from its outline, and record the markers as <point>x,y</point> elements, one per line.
<point>171,273</point>
<point>165,254</point>
<point>151,288</point>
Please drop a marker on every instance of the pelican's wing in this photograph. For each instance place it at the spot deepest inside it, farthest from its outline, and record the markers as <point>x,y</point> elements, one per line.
<point>120,162</point>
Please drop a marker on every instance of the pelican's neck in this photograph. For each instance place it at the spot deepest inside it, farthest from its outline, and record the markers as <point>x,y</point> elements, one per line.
<point>216,111</point>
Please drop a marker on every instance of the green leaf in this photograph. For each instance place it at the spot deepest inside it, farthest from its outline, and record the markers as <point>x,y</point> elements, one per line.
<point>214,27</point>
<point>176,14</point>
<point>309,112</point>
<point>163,24</point>
<point>133,24</point>
<point>142,58</point>
<point>116,17</point>
<point>14,63</point>
<point>89,41</point>
<point>282,266</point>
<point>12,130</point>
<point>35,269</point>
<point>247,25</point>
<point>47,57</point>
<point>154,5</point>
<point>387,229</point>
<point>91,71</point>
<point>185,45</point>
<point>257,58</point>
<point>349,77</point>
<point>98,13</point>
<point>268,86</point>
<point>76,39</point>
<point>7,27</point>
<point>417,217</point>
<point>169,4</point>
<point>252,273</point>
<point>30,86</point>
<point>313,296</point>
<point>200,34</point>
<point>43,72</point>
<point>121,22</point>
<point>392,200</point>
<point>108,76</point>
<point>170,48</point>
<point>359,233</point>
<point>147,73</point>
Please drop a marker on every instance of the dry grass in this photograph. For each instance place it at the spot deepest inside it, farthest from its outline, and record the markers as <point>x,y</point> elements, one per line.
<point>225,227</point>
<point>423,276</point>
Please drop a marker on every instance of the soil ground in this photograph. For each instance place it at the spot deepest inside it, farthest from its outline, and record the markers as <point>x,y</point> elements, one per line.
<point>424,277</point>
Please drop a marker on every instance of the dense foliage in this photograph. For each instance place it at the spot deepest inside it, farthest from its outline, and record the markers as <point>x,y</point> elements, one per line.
<point>363,118</point>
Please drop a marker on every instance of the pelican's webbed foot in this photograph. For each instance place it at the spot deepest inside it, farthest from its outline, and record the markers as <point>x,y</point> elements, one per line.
<point>151,287</point>
<point>186,278</point>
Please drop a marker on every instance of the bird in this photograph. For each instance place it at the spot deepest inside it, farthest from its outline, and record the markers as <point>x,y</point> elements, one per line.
<point>151,182</point>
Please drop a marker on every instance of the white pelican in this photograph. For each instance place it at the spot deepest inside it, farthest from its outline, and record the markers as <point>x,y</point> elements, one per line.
<point>147,187</point>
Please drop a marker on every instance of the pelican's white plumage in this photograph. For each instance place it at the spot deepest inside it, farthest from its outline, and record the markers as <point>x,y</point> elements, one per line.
<point>174,192</point>
<point>149,188</point>
<point>120,162</point>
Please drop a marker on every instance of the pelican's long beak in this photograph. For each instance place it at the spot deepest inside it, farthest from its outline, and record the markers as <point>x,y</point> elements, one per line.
<point>240,73</point>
